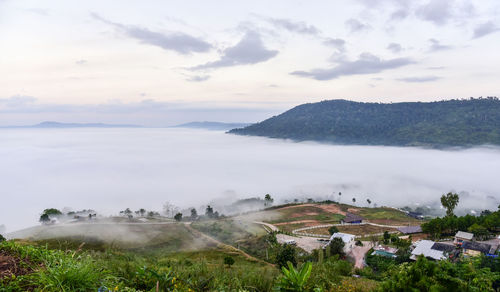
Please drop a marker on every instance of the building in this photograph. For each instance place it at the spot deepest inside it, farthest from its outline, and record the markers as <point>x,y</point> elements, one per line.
<point>473,248</point>
<point>461,236</point>
<point>351,218</point>
<point>348,239</point>
<point>425,248</point>
<point>410,229</point>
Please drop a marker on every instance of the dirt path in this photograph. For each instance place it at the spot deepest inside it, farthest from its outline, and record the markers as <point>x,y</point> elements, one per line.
<point>224,245</point>
<point>358,253</point>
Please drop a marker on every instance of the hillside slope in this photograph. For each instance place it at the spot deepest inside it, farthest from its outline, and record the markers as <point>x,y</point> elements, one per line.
<point>442,123</point>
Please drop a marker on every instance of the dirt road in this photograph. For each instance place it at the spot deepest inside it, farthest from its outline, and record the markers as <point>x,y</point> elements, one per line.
<point>358,253</point>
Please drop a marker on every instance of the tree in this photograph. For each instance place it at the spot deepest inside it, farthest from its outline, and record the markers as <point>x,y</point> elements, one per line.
<point>449,201</point>
<point>387,237</point>
<point>209,212</point>
<point>354,200</point>
<point>333,230</point>
<point>194,214</point>
<point>2,238</point>
<point>169,209</point>
<point>286,253</point>
<point>369,202</point>
<point>44,218</point>
<point>268,200</point>
<point>337,246</point>
<point>127,211</point>
<point>52,212</point>
<point>178,217</point>
<point>229,261</point>
<point>142,212</point>
<point>480,232</point>
<point>340,195</point>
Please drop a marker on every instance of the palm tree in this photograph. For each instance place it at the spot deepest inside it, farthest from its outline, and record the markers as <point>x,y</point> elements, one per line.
<point>353,200</point>
<point>340,194</point>
<point>369,201</point>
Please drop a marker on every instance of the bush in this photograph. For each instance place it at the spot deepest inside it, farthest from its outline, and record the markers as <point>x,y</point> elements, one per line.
<point>229,261</point>
<point>286,253</point>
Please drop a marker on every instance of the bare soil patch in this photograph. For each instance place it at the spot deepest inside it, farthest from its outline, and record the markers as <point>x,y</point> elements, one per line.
<point>11,265</point>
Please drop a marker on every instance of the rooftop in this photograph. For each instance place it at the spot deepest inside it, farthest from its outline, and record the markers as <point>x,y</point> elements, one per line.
<point>410,229</point>
<point>344,236</point>
<point>465,235</point>
<point>350,217</point>
<point>477,246</point>
<point>424,247</point>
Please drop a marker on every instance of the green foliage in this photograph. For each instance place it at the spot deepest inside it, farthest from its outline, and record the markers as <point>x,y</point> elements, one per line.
<point>449,225</point>
<point>387,236</point>
<point>337,247</point>
<point>443,123</point>
<point>292,279</point>
<point>268,200</point>
<point>449,201</point>
<point>44,218</point>
<point>178,217</point>
<point>2,238</point>
<point>425,275</point>
<point>52,212</point>
<point>333,229</point>
<point>228,260</point>
<point>480,232</point>
<point>286,254</point>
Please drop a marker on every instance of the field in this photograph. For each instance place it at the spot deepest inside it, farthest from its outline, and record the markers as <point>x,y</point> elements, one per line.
<point>358,230</point>
<point>176,257</point>
<point>296,216</point>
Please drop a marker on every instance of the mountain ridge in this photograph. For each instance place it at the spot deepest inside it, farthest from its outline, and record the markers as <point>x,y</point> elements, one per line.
<point>435,124</point>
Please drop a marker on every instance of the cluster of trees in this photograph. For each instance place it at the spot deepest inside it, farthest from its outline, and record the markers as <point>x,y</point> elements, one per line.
<point>425,275</point>
<point>141,213</point>
<point>442,123</point>
<point>481,226</point>
<point>47,214</point>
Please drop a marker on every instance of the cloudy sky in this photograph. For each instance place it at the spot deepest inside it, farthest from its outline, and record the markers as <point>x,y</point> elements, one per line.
<point>164,62</point>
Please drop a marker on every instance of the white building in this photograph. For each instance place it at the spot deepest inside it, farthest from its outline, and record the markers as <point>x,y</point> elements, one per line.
<point>424,247</point>
<point>348,239</point>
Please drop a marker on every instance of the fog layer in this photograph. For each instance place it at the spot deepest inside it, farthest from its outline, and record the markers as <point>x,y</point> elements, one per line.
<point>111,169</point>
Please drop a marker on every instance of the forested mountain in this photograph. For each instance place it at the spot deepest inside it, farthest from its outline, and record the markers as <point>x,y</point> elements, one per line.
<point>442,123</point>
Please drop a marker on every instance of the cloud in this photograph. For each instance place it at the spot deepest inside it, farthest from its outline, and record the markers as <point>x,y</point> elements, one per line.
<point>16,101</point>
<point>299,27</point>
<point>355,25</point>
<point>436,68</point>
<point>198,78</point>
<point>436,11</point>
<point>395,48</point>
<point>249,50</point>
<point>81,62</point>
<point>440,12</point>
<point>437,46</point>
<point>365,64</point>
<point>419,79</point>
<point>39,11</point>
<point>172,41</point>
<point>400,14</point>
<point>339,44</point>
<point>485,29</point>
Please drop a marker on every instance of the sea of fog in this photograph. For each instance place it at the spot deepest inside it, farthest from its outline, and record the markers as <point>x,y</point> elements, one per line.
<point>111,169</point>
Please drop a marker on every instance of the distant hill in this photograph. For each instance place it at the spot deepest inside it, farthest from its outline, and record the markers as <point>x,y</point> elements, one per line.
<point>212,125</point>
<point>436,124</point>
<point>50,124</point>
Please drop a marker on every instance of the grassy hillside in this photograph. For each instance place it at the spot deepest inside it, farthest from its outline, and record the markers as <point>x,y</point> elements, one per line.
<point>443,123</point>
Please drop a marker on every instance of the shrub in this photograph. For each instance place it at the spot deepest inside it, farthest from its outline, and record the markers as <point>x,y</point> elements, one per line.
<point>229,261</point>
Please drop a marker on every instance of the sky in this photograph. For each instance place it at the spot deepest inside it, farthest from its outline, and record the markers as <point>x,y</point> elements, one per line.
<point>159,63</point>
